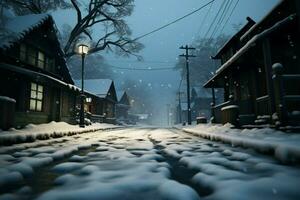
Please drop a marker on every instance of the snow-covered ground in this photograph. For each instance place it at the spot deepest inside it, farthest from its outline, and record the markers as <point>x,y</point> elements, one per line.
<point>142,163</point>
<point>49,130</point>
<point>283,145</point>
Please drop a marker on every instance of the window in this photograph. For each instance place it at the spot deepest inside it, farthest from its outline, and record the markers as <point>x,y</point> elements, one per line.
<point>36,97</point>
<point>23,52</point>
<point>31,56</point>
<point>41,60</point>
<point>34,57</point>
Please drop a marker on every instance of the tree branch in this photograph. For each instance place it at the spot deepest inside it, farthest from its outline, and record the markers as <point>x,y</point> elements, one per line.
<point>74,3</point>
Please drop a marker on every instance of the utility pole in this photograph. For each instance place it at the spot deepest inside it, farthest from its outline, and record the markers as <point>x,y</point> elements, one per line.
<point>187,56</point>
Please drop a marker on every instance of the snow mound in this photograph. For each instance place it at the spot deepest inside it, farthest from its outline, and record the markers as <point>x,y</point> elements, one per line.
<point>172,190</point>
<point>284,146</point>
<point>46,131</point>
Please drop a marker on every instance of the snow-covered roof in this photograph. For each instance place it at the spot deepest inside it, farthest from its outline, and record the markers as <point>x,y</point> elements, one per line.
<point>99,87</point>
<point>16,28</point>
<point>120,95</point>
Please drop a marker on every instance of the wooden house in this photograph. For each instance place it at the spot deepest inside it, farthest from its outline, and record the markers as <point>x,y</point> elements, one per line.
<point>260,71</point>
<point>201,100</point>
<point>33,72</point>
<point>103,99</point>
<point>123,105</point>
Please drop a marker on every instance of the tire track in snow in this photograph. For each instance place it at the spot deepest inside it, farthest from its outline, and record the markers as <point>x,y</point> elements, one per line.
<point>180,172</point>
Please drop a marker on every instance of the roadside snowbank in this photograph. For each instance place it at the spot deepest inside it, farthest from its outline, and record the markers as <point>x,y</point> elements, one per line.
<point>139,163</point>
<point>284,146</point>
<point>45,131</point>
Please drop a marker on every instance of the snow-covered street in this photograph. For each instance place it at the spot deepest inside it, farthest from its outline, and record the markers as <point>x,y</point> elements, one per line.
<point>142,163</point>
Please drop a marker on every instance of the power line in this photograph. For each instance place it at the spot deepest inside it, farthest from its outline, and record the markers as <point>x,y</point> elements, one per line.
<point>144,69</point>
<point>221,19</point>
<point>173,22</point>
<point>214,20</point>
<point>204,19</point>
<point>142,62</point>
<point>229,16</point>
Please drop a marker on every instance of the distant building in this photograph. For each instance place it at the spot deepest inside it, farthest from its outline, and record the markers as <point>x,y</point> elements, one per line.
<point>103,99</point>
<point>33,73</point>
<point>262,91</point>
<point>201,100</point>
<point>123,106</point>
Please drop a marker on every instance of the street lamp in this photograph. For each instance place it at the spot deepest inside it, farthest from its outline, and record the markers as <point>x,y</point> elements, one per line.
<point>82,50</point>
<point>88,99</point>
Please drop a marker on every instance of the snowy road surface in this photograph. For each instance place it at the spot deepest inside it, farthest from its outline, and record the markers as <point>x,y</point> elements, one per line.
<point>141,163</point>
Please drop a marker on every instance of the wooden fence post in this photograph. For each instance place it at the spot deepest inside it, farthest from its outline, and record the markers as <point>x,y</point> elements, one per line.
<point>279,95</point>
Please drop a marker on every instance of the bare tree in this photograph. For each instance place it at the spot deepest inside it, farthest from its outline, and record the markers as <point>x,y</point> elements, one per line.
<point>107,16</point>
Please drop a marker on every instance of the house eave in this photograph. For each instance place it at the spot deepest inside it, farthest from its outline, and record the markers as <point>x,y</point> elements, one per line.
<point>247,46</point>
<point>250,23</point>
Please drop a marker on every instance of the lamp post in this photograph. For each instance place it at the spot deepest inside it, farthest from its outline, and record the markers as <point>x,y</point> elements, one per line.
<point>82,50</point>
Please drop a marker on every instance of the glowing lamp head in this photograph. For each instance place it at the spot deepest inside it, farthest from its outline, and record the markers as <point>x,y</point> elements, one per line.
<point>88,99</point>
<point>83,49</point>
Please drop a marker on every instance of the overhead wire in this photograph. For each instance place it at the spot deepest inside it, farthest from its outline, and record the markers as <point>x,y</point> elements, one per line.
<point>204,19</point>
<point>214,20</point>
<point>160,28</point>
<point>143,69</point>
<point>227,20</point>
<point>137,61</point>
<point>173,22</point>
<point>221,19</point>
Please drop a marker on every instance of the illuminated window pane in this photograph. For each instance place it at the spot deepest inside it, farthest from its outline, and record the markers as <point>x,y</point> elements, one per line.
<point>33,94</point>
<point>40,88</point>
<point>33,86</point>
<point>39,106</point>
<point>41,60</point>
<point>40,96</point>
<point>41,56</point>
<point>36,97</point>
<point>32,104</point>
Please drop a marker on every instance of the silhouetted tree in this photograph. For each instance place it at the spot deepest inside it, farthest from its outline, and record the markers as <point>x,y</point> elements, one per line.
<point>95,67</point>
<point>105,15</point>
<point>202,66</point>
